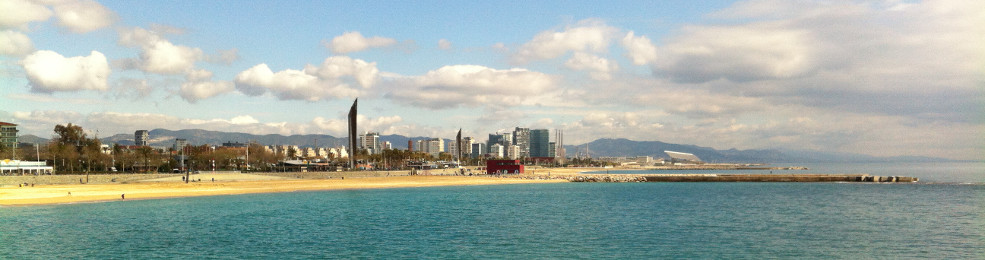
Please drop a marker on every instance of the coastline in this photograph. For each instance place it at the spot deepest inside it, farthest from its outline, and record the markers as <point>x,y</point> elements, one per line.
<point>81,193</point>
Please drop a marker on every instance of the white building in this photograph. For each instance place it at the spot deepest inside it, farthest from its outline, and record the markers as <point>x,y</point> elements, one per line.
<point>370,142</point>
<point>512,152</point>
<point>496,151</point>
<point>18,167</point>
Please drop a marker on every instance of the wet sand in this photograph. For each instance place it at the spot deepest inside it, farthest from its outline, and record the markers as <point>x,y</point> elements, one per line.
<point>229,184</point>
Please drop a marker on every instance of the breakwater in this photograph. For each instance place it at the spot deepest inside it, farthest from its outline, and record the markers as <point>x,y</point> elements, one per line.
<point>722,178</point>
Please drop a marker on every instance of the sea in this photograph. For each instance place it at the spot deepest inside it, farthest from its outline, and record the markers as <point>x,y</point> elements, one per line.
<point>941,217</point>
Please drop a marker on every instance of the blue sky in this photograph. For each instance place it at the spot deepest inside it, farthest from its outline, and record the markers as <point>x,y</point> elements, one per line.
<point>882,78</point>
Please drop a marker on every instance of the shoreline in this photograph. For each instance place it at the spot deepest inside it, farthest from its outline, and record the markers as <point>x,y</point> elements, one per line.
<point>86,193</point>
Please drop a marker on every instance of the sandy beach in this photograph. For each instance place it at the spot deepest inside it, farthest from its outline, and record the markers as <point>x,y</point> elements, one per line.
<point>226,184</point>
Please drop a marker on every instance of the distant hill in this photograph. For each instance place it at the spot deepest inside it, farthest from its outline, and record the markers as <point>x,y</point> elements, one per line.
<point>597,148</point>
<point>625,147</point>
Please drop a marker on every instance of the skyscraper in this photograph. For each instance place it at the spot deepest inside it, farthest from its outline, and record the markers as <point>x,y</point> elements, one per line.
<point>540,143</point>
<point>140,137</point>
<point>371,142</point>
<point>521,138</point>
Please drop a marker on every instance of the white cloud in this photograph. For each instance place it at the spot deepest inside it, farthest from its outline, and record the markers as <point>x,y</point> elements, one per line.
<point>49,117</point>
<point>639,49</point>
<point>17,13</point>
<point>198,75</point>
<point>599,68</point>
<point>291,84</point>
<point>244,120</point>
<point>257,80</point>
<point>83,15</point>
<point>384,124</point>
<point>159,55</point>
<point>354,42</point>
<point>738,53</point>
<point>586,36</point>
<point>15,43</point>
<point>339,67</point>
<point>49,71</point>
<point>471,85</point>
<point>193,91</point>
<point>334,79</point>
<point>444,44</point>
<point>166,58</point>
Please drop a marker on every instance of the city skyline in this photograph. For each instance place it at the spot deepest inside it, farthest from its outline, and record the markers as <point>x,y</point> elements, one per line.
<point>886,78</point>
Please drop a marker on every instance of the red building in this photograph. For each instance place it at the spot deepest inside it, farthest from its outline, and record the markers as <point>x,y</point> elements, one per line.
<point>503,166</point>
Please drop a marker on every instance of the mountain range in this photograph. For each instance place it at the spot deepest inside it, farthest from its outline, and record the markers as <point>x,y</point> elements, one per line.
<point>599,148</point>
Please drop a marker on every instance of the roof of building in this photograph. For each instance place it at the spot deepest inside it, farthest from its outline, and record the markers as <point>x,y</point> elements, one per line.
<point>683,156</point>
<point>8,124</point>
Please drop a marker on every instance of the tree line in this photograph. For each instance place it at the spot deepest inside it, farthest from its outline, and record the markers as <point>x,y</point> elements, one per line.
<point>71,150</point>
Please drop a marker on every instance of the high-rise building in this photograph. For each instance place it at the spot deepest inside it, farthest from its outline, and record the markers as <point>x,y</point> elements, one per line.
<point>140,137</point>
<point>478,150</point>
<point>8,135</point>
<point>512,152</point>
<point>371,142</point>
<point>521,138</point>
<point>494,139</point>
<point>466,147</point>
<point>496,150</point>
<point>540,143</point>
<point>431,146</point>
<point>467,144</point>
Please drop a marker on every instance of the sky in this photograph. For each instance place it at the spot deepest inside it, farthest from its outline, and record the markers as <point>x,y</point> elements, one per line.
<point>882,78</point>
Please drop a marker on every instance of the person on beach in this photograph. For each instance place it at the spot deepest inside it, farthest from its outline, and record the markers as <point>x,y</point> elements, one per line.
<point>123,196</point>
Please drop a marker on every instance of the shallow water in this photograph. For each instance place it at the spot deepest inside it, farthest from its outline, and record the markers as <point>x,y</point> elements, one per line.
<point>562,220</point>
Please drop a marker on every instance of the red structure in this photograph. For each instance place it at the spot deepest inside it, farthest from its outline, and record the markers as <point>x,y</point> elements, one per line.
<point>503,166</point>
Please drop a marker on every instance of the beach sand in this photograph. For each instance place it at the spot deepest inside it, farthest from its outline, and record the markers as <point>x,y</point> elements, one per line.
<point>226,184</point>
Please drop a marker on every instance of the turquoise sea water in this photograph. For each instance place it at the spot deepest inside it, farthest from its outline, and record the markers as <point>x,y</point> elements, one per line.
<point>563,220</point>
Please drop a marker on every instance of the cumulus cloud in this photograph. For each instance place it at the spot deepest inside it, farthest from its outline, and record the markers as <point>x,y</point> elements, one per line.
<point>193,91</point>
<point>336,77</point>
<point>83,15</point>
<point>339,67</point>
<point>257,80</point>
<point>354,41</point>
<point>471,85</point>
<point>15,43</point>
<point>919,59</point>
<point>444,44</point>
<point>599,68</point>
<point>738,53</point>
<point>585,36</point>
<point>17,13</point>
<point>48,71</point>
<point>51,117</point>
<point>339,126</point>
<point>159,55</point>
<point>639,49</point>
<point>166,58</point>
